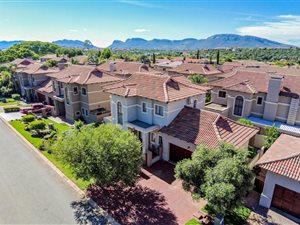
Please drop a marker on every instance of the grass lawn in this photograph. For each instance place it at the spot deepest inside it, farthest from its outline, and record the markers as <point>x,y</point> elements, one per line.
<point>11,101</point>
<point>192,222</point>
<point>237,217</point>
<point>35,141</point>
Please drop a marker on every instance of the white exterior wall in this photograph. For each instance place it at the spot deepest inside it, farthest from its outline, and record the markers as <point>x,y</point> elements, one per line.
<point>271,180</point>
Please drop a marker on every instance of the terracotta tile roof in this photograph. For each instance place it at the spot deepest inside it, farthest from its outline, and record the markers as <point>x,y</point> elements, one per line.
<point>37,68</point>
<point>249,81</point>
<point>283,157</point>
<point>162,88</point>
<point>195,68</point>
<point>45,87</point>
<point>208,128</point>
<point>83,75</point>
<point>123,68</point>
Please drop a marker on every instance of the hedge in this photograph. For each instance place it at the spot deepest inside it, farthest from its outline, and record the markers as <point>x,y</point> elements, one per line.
<point>28,118</point>
<point>11,108</point>
<point>37,125</point>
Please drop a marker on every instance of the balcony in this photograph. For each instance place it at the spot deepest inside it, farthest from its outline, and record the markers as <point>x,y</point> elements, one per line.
<point>59,98</point>
<point>217,108</point>
<point>142,126</point>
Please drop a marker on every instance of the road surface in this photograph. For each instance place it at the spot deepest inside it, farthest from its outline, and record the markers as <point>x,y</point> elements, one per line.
<point>31,192</point>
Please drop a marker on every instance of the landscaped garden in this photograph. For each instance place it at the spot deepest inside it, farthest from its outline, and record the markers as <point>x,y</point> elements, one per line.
<point>37,132</point>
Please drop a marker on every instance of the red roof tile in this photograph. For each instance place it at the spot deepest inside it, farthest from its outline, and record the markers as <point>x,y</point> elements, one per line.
<point>208,128</point>
<point>195,68</point>
<point>283,157</point>
<point>162,88</point>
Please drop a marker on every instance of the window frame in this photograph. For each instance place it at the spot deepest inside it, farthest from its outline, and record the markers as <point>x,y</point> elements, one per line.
<point>242,108</point>
<point>262,99</point>
<point>76,91</point>
<point>66,90</point>
<point>163,110</point>
<point>144,103</point>
<point>188,101</point>
<point>120,119</point>
<point>82,93</point>
<point>223,92</point>
<point>195,102</point>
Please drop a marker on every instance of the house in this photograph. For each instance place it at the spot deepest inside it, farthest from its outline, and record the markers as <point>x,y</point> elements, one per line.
<point>264,98</point>
<point>187,69</point>
<point>125,69</point>
<point>192,127</point>
<point>78,93</point>
<point>55,58</point>
<point>166,65</point>
<point>29,75</point>
<point>154,107</point>
<point>280,175</point>
<point>81,59</point>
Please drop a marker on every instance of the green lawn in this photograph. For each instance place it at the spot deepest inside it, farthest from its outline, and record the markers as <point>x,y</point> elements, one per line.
<point>11,101</point>
<point>19,126</point>
<point>236,217</point>
<point>192,222</point>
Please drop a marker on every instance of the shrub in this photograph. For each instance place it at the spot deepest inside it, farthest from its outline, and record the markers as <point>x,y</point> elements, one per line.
<point>246,122</point>
<point>16,96</point>
<point>37,125</point>
<point>272,134</point>
<point>28,118</point>
<point>11,109</point>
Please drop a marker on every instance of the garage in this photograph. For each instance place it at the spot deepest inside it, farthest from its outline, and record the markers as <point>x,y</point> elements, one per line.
<point>177,153</point>
<point>286,200</point>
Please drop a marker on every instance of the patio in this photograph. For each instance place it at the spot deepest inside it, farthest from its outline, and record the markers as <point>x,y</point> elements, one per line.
<point>157,198</point>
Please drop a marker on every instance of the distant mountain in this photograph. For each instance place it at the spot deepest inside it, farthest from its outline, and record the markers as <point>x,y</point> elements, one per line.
<point>7,44</point>
<point>72,44</point>
<point>215,41</point>
<point>64,43</point>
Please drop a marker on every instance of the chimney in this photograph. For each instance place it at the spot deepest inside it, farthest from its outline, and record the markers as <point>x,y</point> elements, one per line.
<point>61,66</point>
<point>112,66</point>
<point>271,103</point>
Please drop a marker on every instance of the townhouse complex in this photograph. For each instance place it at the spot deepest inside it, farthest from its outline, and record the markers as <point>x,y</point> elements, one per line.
<point>170,115</point>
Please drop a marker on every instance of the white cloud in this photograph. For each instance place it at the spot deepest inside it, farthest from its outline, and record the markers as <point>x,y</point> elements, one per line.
<point>285,28</point>
<point>141,30</point>
<point>137,3</point>
<point>73,30</point>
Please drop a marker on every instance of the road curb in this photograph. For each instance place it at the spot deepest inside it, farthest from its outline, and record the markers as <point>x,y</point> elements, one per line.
<point>61,174</point>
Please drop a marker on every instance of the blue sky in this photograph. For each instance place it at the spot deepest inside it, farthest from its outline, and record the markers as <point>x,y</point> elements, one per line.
<point>105,21</point>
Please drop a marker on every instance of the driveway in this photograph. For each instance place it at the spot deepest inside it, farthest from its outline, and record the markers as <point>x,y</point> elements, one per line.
<point>32,193</point>
<point>158,198</point>
<point>11,116</point>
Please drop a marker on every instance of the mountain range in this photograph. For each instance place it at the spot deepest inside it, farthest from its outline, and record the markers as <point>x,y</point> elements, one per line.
<point>215,41</point>
<point>63,43</point>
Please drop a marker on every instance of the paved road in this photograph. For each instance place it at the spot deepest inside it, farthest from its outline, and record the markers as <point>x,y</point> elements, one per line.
<point>31,192</point>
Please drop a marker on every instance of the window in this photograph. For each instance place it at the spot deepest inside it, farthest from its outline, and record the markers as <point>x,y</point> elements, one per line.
<point>67,95</point>
<point>75,90</point>
<point>195,104</point>
<point>152,137</point>
<point>83,91</point>
<point>259,101</point>
<point>222,94</point>
<point>60,85</point>
<point>53,86</point>
<point>87,112</point>
<point>119,113</point>
<point>188,101</point>
<point>82,111</point>
<point>159,110</point>
<point>144,107</point>
<point>238,106</point>
<point>160,140</point>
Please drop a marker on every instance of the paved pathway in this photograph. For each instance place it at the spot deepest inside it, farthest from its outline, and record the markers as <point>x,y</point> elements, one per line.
<point>31,192</point>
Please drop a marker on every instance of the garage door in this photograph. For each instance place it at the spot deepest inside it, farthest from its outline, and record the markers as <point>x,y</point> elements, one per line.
<point>177,153</point>
<point>286,200</point>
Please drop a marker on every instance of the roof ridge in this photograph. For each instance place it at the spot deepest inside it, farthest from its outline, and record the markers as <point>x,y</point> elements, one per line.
<point>216,128</point>
<point>165,88</point>
<point>89,75</point>
<point>278,160</point>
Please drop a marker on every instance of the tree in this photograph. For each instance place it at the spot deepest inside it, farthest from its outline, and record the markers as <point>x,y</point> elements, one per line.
<point>198,79</point>
<point>218,57</point>
<point>198,54</point>
<point>105,154</point>
<point>153,58</point>
<point>87,44</point>
<point>144,59</point>
<point>272,134</point>
<point>106,53</point>
<point>227,184</point>
<point>93,56</point>
<point>220,175</point>
<point>246,122</point>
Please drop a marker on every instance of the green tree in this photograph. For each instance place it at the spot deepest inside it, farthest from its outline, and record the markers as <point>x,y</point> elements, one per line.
<point>218,57</point>
<point>144,59</point>
<point>106,53</point>
<point>153,58</point>
<point>105,154</point>
<point>211,169</point>
<point>272,134</point>
<point>198,54</point>
<point>198,79</point>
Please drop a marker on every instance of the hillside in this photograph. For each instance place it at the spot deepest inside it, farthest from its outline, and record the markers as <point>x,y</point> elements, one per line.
<point>215,41</point>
